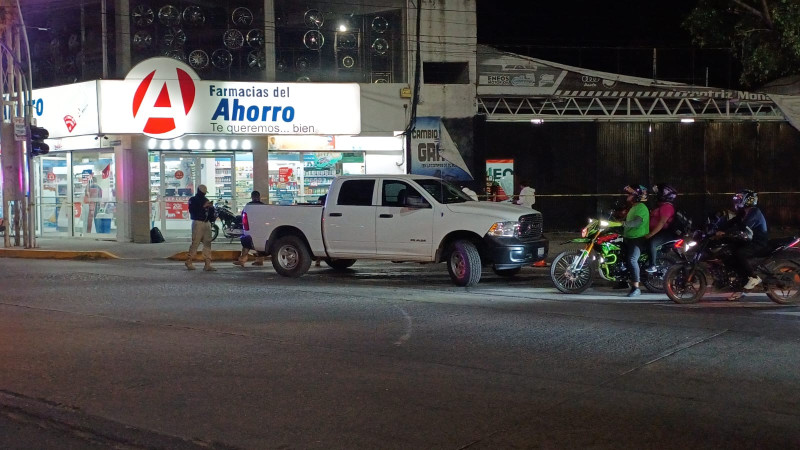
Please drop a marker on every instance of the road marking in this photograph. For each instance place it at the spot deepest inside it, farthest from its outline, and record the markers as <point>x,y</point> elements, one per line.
<point>783,313</point>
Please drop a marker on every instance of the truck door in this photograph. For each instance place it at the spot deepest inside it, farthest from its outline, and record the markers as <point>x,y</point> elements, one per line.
<point>348,224</point>
<point>404,221</point>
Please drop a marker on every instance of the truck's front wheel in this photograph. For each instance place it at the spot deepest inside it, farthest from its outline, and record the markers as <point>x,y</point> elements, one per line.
<point>290,256</point>
<point>464,264</point>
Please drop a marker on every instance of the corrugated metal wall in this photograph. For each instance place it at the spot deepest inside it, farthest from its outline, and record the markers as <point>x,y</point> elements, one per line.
<point>579,169</point>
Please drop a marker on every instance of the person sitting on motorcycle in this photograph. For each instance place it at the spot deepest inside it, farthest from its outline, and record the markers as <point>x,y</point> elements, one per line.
<point>748,219</point>
<point>660,218</point>
<point>255,199</point>
<point>636,226</point>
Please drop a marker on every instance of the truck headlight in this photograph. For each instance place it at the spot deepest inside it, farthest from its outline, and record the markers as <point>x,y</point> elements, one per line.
<point>504,229</point>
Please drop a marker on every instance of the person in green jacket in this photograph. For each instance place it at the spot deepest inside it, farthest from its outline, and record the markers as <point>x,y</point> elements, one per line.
<point>636,226</point>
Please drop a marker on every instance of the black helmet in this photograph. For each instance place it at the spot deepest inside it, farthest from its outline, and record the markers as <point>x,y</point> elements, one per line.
<point>638,192</point>
<point>745,198</point>
<point>665,192</point>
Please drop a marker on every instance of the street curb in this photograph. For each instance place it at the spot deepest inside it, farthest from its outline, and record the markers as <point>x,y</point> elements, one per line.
<point>55,254</point>
<point>216,255</point>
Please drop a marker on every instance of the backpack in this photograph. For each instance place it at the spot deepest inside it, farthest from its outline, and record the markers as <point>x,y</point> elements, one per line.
<point>155,236</point>
<point>681,223</point>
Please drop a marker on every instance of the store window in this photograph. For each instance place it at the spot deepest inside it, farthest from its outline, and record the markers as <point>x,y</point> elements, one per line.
<point>244,179</point>
<point>339,41</point>
<point>93,193</point>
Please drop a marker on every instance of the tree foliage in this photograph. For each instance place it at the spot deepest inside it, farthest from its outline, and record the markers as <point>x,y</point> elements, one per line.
<point>764,35</point>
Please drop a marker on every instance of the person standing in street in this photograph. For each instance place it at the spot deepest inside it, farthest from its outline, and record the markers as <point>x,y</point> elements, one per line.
<point>201,211</point>
<point>255,199</point>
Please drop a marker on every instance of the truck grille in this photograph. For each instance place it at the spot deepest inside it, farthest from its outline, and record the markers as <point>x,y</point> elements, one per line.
<point>530,226</point>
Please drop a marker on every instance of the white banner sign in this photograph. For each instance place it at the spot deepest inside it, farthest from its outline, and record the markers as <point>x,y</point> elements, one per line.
<point>67,110</point>
<point>164,98</point>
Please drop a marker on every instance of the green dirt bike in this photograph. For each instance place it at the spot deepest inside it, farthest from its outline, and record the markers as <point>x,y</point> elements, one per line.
<point>573,271</point>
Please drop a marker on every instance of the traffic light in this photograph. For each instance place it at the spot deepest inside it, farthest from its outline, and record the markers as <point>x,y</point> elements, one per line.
<point>38,135</point>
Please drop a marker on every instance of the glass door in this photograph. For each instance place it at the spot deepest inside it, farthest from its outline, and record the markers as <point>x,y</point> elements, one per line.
<point>176,176</point>
<point>179,181</point>
<point>93,193</point>
<point>55,191</point>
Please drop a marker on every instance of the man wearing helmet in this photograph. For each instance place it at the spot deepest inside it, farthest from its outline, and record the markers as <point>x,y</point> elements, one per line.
<point>660,218</point>
<point>636,226</point>
<point>751,221</point>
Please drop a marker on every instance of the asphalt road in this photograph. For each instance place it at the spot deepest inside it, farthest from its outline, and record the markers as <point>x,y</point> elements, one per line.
<point>144,354</point>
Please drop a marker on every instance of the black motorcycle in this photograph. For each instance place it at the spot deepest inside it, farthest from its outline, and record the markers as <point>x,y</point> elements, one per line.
<point>706,258</point>
<point>231,223</point>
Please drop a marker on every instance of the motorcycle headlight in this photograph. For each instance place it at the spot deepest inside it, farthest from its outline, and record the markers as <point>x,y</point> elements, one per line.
<point>504,229</point>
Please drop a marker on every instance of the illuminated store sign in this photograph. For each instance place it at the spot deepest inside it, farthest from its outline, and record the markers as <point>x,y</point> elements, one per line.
<point>164,98</point>
<point>67,110</point>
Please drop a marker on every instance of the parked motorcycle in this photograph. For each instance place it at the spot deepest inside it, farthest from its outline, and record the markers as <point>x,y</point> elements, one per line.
<point>707,258</point>
<point>603,255</point>
<point>231,223</point>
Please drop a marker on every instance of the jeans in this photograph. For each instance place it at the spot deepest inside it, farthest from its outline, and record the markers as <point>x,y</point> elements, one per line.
<point>633,250</point>
<point>655,241</point>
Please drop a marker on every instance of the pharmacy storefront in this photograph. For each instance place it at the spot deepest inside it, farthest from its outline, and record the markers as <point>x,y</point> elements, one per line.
<point>126,155</point>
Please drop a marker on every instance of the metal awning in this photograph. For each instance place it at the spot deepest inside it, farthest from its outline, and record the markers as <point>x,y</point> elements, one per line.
<point>510,108</point>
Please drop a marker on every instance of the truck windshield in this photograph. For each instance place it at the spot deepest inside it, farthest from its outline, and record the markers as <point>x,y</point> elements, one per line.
<point>443,191</point>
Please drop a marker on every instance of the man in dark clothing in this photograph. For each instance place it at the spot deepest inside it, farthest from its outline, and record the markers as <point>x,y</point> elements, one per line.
<point>749,220</point>
<point>201,210</point>
<point>255,199</point>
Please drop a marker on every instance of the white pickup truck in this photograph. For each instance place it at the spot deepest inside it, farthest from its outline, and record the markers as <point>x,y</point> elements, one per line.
<point>397,218</point>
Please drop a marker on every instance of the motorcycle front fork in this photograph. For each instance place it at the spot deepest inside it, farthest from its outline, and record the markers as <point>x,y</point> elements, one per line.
<point>578,264</point>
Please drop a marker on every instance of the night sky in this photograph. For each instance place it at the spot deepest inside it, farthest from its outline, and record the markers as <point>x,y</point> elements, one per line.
<point>615,36</point>
<point>582,22</point>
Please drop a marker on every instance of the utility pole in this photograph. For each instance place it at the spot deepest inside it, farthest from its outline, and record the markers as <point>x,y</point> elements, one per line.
<point>15,92</point>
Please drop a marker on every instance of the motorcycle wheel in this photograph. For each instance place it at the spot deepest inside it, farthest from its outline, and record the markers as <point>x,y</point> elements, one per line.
<point>679,289</point>
<point>564,279</point>
<point>654,282</point>
<point>214,231</point>
<point>339,264</point>
<point>786,290</point>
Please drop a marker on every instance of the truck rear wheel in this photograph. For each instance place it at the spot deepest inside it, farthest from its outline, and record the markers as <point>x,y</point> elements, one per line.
<point>464,263</point>
<point>290,256</point>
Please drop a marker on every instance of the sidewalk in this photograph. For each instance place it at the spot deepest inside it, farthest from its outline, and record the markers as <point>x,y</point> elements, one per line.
<point>174,248</point>
<point>78,248</point>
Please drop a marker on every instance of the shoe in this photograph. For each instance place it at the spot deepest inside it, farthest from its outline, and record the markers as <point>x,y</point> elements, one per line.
<point>238,263</point>
<point>651,269</point>
<point>735,296</point>
<point>635,292</point>
<point>752,282</point>
<point>209,268</point>
<point>258,263</point>
<point>621,285</point>
<point>189,265</point>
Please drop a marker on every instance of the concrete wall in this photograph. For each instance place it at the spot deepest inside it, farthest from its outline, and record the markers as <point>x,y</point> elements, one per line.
<point>448,34</point>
